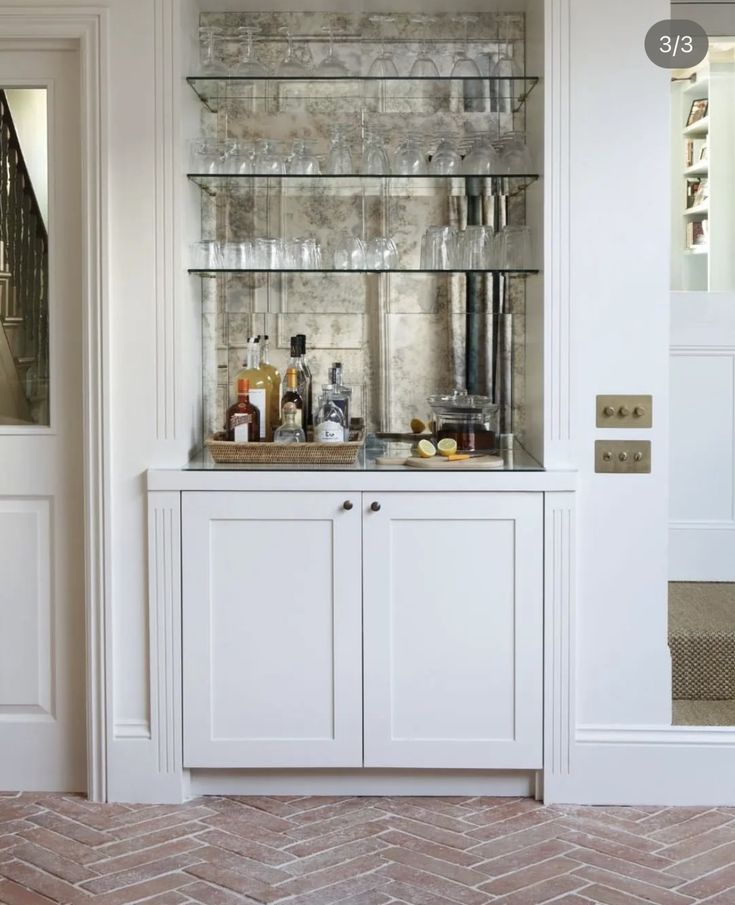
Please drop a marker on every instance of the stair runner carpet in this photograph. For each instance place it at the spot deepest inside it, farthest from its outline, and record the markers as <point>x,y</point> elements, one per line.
<point>702,640</point>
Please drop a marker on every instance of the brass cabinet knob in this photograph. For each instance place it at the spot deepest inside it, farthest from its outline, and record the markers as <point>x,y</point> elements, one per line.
<point>348,504</point>
<point>639,411</point>
<point>623,411</point>
<point>608,411</point>
<point>375,506</point>
<point>607,456</point>
<point>623,457</point>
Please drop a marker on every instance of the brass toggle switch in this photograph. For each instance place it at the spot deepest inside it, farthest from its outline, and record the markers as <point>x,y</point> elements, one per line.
<point>624,411</point>
<point>623,456</point>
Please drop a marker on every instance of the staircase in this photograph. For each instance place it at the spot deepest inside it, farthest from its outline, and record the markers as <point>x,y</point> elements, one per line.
<point>24,342</point>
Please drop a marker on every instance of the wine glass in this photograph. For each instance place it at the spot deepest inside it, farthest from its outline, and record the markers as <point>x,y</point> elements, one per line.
<point>339,156</point>
<point>302,161</point>
<point>409,159</point>
<point>482,159</point>
<point>268,161</point>
<point>248,64</point>
<point>383,66</point>
<point>375,160</point>
<point>331,65</point>
<point>446,160</point>
<point>505,71</point>
<point>290,65</point>
<point>209,37</point>
<point>464,67</point>
<point>423,66</point>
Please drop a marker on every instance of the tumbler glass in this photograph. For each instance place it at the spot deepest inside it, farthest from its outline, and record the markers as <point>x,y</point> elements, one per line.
<point>267,254</point>
<point>237,255</point>
<point>515,248</point>
<point>349,253</point>
<point>206,255</point>
<point>382,254</point>
<point>439,248</point>
<point>477,248</point>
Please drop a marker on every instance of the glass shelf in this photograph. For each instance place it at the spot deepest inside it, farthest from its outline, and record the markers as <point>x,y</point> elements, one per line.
<point>214,271</point>
<point>213,90</point>
<point>215,183</point>
<point>516,459</point>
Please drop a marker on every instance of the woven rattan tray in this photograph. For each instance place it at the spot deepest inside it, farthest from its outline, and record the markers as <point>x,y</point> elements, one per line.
<point>225,452</point>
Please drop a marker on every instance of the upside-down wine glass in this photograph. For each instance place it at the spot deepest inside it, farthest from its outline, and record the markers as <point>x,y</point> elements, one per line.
<point>290,65</point>
<point>248,64</point>
<point>331,64</point>
<point>383,66</point>
<point>465,67</point>
<point>209,37</point>
<point>423,66</point>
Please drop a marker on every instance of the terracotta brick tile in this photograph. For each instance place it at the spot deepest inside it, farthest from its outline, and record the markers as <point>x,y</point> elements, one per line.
<point>527,876</point>
<point>62,845</point>
<point>669,817</point>
<point>503,812</point>
<point>608,896</point>
<point>331,840</point>
<point>512,825</point>
<point>231,879</point>
<point>115,849</point>
<point>140,873</point>
<point>278,806</point>
<point>214,895</point>
<point>338,892</point>
<point>158,823</point>
<point>625,868</point>
<point>135,893</point>
<point>371,897</point>
<point>313,830</point>
<point>12,894</point>
<point>691,868</point>
<point>17,810</point>
<point>544,892</point>
<point>401,808</point>
<point>336,855</point>
<point>314,815</point>
<point>525,857</point>
<point>572,899</point>
<point>167,898</point>
<point>430,832</point>
<point>146,855</point>
<point>699,845</point>
<point>329,875</point>
<point>456,872</point>
<point>709,885</point>
<point>515,841</point>
<point>248,831</point>
<point>608,847</point>
<point>52,863</point>
<point>256,869</point>
<point>437,886</point>
<point>255,817</point>
<point>607,830</point>
<point>70,828</point>
<point>246,847</point>
<point>646,891</point>
<point>416,844</point>
<point>9,841</point>
<point>694,827</point>
<point>413,895</point>
<point>32,878</point>
<point>448,807</point>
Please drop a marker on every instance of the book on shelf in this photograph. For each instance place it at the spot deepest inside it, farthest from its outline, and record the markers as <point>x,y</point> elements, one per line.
<point>697,235</point>
<point>695,151</point>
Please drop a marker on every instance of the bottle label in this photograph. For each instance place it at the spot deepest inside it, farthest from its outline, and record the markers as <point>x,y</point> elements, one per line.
<point>241,427</point>
<point>329,432</point>
<point>257,398</point>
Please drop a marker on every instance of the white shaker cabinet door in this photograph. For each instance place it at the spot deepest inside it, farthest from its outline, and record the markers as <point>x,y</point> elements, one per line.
<point>271,630</point>
<point>453,630</point>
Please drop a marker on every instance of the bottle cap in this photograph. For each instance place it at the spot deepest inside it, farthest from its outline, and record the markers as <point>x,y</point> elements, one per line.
<point>289,409</point>
<point>291,378</point>
<point>294,347</point>
<point>243,386</point>
<point>301,337</point>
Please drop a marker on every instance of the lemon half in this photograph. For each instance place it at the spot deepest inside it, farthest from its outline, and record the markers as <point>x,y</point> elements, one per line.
<point>417,426</point>
<point>447,447</point>
<point>425,449</point>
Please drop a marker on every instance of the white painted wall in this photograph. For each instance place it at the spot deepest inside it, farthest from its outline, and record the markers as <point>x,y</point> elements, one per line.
<point>29,111</point>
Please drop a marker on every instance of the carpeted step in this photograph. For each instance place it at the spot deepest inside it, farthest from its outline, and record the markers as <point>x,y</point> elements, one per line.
<point>702,640</point>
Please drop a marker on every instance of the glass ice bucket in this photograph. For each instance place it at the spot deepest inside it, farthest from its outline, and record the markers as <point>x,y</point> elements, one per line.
<point>473,421</point>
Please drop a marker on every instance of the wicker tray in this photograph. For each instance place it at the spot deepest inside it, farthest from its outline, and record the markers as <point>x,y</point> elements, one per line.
<point>225,452</point>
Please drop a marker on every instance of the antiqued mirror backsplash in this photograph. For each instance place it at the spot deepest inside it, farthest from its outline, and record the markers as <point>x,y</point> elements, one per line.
<point>400,336</point>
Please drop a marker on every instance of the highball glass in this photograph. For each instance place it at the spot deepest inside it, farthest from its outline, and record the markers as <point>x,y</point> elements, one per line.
<point>382,254</point>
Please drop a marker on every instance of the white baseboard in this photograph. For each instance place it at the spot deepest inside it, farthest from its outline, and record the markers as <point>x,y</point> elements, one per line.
<point>362,782</point>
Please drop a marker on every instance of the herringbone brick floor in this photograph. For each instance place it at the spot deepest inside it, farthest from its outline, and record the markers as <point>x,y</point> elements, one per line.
<point>361,851</point>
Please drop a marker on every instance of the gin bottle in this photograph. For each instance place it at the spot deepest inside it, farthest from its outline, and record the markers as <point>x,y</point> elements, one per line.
<point>329,423</point>
<point>289,431</point>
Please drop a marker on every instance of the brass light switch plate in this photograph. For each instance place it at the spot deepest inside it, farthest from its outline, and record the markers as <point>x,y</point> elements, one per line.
<point>624,411</point>
<point>623,456</point>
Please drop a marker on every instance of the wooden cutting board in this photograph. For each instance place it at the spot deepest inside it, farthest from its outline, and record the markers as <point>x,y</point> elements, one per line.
<point>440,462</point>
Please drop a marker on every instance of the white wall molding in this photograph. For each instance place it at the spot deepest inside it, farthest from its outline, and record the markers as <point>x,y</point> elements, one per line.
<point>557,236</point>
<point>88,26</point>
<point>700,736</point>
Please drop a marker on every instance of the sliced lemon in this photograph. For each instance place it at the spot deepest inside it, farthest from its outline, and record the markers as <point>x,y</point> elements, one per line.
<point>425,449</point>
<point>459,457</point>
<point>446,447</point>
<point>417,426</point>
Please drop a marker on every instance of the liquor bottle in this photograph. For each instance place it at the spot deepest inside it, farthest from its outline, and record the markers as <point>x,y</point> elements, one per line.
<point>292,395</point>
<point>308,399</point>
<point>295,363</point>
<point>329,423</point>
<point>242,423</point>
<point>341,394</point>
<point>274,375</point>
<point>289,431</point>
<point>259,385</point>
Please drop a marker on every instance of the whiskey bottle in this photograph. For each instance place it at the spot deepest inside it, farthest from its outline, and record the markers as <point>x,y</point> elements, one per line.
<point>274,376</point>
<point>292,395</point>
<point>295,363</point>
<point>306,371</point>
<point>242,423</point>
<point>259,386</point>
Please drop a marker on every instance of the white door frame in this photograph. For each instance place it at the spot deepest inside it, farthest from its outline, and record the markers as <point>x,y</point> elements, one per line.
<point>38,28</point>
